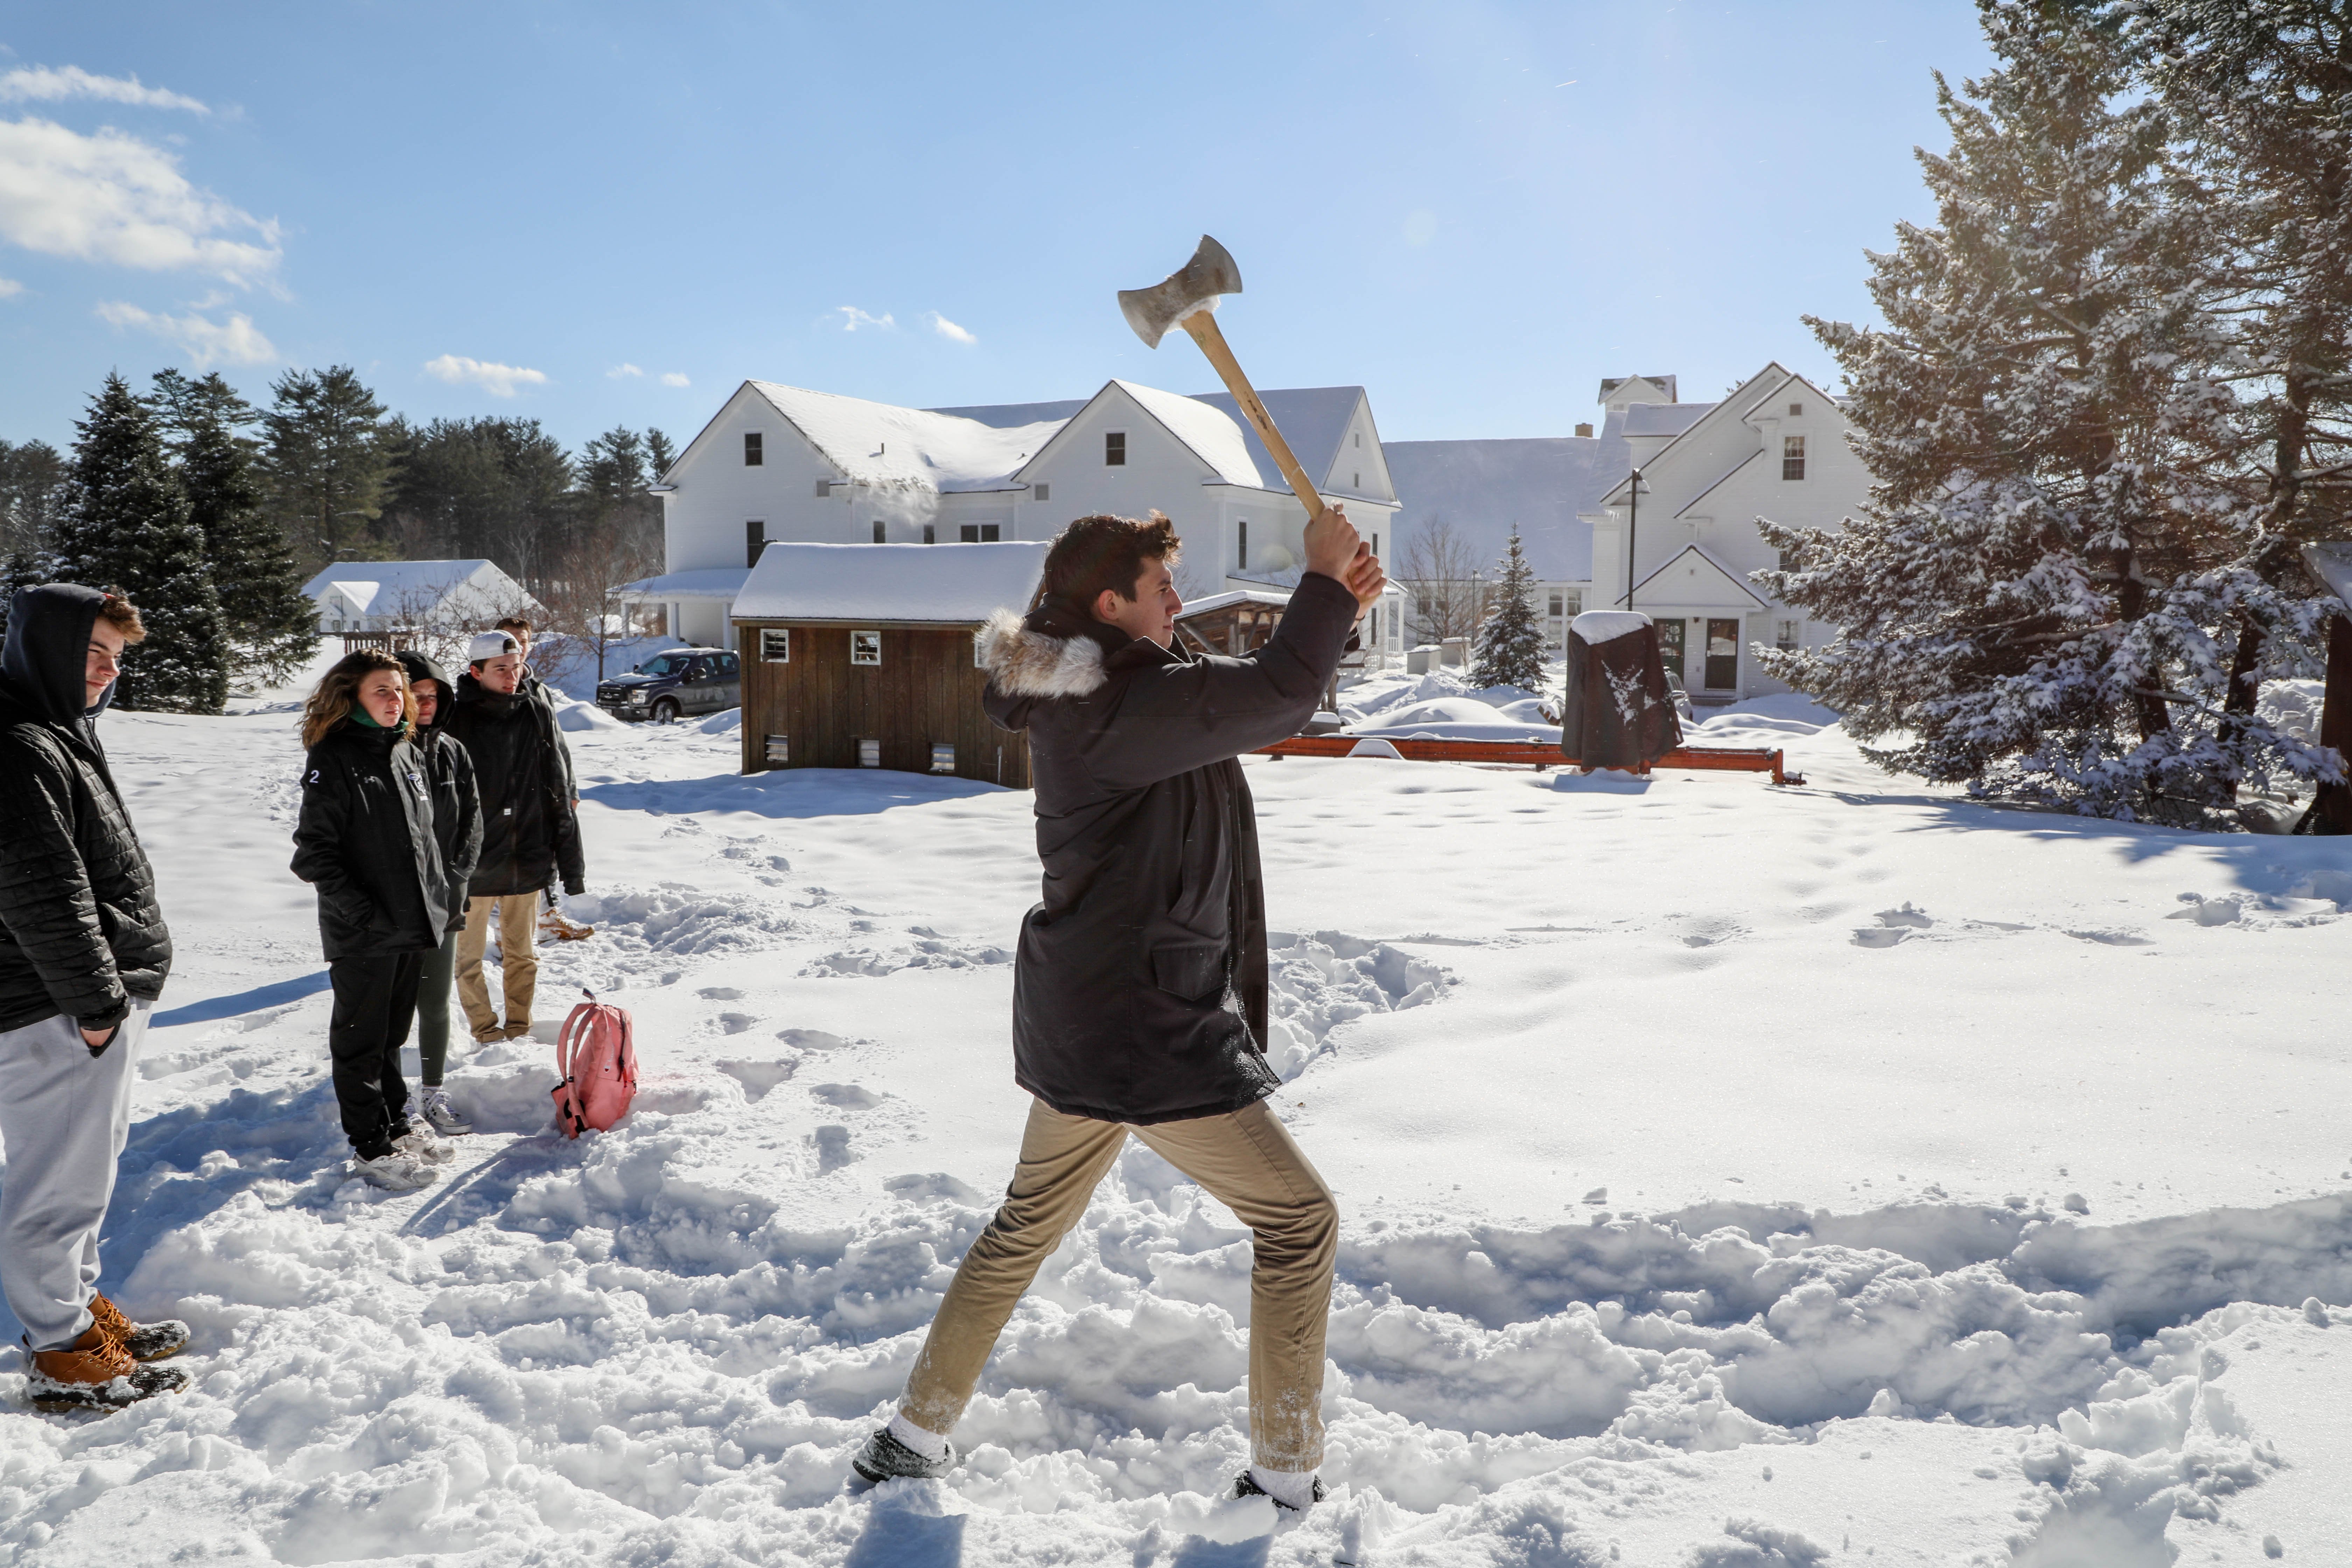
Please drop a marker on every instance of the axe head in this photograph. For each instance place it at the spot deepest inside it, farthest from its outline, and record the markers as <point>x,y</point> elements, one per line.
<point>1193,286</point>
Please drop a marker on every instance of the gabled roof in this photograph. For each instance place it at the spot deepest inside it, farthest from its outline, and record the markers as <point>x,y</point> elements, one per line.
<point>1789,377</point>
<point>904,448</point>
<point>1713,564</point>
<point>1313,419</point>
<point>1663,419</point>
<point>1003,416</point>
<point>699,583</point>
<point>957,585</point>
<point>1481,489</point>
<point>398,579</point>
<point>1203,431</point>
<point>1610,384</point>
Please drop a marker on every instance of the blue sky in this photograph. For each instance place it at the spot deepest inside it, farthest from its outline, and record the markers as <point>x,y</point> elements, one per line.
<point>606,214</point>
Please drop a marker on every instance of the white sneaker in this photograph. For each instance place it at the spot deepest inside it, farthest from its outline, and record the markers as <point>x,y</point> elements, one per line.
<point>420,1145</point>
<point>444,1117</point>
<point>395,1172</point>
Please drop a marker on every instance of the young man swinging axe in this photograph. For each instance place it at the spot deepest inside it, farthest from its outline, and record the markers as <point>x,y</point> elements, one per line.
<point>1139,991</point>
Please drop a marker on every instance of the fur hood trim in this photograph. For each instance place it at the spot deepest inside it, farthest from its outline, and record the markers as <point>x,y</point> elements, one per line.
<point>1024,662</point>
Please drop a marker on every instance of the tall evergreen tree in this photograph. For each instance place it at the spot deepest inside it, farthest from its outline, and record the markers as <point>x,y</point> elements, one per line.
<point>326,461</point>
<point>1511,640</point>
<point>271,626</point>
<point>2043,595</point>
<point>32,489</point>
<point>126,527</point>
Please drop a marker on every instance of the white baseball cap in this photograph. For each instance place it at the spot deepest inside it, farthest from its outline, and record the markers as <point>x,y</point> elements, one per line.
<point>488,646</point>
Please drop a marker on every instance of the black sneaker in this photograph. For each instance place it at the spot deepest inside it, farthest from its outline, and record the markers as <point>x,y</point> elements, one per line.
<point>884,1457</point>
<point>1245,1484</point>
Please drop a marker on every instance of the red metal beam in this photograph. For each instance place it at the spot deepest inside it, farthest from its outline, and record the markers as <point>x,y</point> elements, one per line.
<point>1522,754</point>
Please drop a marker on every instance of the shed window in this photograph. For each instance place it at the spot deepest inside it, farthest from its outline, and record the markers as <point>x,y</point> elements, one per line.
<point>869,753</point>
<point>942,757</point>
<point>865,647</point>
<point>775,645</point>
<point>780,749</point>
<point>755,539</point>
<point>752,456</point>
<point>979,661</point>
<point>1793,456</point>
<point>881,535</point>
<point>982,533</point>
<point>1115,449</point>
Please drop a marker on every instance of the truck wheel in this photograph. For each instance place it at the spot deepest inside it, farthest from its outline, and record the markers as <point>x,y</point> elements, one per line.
<point>666,711</point>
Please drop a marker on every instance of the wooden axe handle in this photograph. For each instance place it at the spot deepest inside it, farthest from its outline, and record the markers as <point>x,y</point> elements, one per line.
<point>1202,325</point>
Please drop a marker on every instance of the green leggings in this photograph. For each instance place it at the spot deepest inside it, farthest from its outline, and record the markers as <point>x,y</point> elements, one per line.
<point>433,1010</point>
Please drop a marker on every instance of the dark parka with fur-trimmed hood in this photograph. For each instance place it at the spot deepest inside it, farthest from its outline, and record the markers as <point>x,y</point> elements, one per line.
<point>81,933</point>
<point>1139,989</point>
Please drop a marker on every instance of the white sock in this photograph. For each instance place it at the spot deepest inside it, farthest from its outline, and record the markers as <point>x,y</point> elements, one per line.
<point>929,1445</point>
<point>1294,1488</point>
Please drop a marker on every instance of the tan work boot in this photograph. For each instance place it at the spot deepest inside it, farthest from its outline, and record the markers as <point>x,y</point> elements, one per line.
<point>140,1342</point>
<point>94,1373</point>
<point>555,924</point>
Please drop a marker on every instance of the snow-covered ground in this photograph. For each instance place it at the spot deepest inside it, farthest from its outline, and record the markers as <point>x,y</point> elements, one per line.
<point>1733,1177</point>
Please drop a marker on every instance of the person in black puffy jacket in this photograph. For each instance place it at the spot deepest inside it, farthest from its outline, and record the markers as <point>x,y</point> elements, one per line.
<point>458,828</point>
<point>365,841</point>
<point>83,953</point>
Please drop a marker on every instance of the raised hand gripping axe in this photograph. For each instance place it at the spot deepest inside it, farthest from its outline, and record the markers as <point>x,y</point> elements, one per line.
<point>1187,297</point>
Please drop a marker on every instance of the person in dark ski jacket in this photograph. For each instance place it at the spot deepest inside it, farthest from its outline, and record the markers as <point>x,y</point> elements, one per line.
<point>365,841</point>
<point>1139,989</point>
<point>530,834</point>
<point>457,829</point>
<point>552,922</point>
<point>83,955</point>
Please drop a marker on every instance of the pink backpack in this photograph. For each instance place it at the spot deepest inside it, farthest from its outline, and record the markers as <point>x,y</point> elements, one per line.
<point>597,1055</point>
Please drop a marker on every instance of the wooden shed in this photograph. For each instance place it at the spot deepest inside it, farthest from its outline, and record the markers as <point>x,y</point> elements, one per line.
<point>864,656</point>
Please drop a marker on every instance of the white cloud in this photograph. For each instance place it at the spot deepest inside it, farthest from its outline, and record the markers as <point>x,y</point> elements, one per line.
<point>498,380</point>
<point>672,378</point>
<point>50,84</point>
<point>948,330</point>
<point>205,342</point>
<point>10,287</point>
<point>619,371</point>
<point>114,198</point>
<point>852,318</point>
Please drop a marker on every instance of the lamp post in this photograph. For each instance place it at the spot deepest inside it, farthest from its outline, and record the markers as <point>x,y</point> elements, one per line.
<point>1632,526</point>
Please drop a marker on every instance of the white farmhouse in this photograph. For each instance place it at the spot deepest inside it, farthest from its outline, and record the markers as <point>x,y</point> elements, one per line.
<point>783,463</point>
<point>1680,546</point>
<point>402,595</point>
<point>1775,449</point>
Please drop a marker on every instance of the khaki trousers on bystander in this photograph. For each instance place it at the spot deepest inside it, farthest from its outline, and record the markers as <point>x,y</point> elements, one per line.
<point>517,959</point>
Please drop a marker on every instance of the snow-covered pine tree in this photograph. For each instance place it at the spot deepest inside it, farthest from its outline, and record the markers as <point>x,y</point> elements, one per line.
<point>125,526</point>
<point>1510,641</point>
<point>2043,598</point>
<point>271,625</point>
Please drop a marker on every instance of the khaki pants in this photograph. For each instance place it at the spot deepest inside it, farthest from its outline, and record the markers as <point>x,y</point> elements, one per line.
<point>1247,1160</point>
<point>517,957</point>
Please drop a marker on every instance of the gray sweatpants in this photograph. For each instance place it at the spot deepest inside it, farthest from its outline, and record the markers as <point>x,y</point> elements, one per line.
<point>63,1117</point>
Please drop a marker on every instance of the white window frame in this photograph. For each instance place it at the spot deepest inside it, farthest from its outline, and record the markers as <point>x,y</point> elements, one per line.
<point>865,649</point>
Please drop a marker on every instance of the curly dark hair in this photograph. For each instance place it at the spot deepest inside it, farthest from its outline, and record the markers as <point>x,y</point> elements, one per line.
<point>1106,551</point>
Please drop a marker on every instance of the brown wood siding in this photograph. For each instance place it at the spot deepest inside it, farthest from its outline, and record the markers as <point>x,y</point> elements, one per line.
<point>925,690</point>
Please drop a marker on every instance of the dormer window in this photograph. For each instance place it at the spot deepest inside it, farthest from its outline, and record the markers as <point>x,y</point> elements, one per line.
<point>752,456</point>
<point>1115,449</point>
<point>1793,456</point>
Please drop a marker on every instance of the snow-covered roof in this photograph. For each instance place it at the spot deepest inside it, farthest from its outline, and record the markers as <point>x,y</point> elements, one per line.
<point>703,583</point>
<point>1663,419</point>
<point>1237,596</point>
<point>2332,565</point>
<point>1215,436</point>
<point>1313,419</point>
<point>871,584</point>
<point>1005,415</point>
<point>1481,488</point>
<point>909,448</point>
<point>396,579</point>
<point>357,595</point>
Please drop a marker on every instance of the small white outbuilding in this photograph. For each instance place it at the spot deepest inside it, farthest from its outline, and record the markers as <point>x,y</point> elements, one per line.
<point>409,595</point>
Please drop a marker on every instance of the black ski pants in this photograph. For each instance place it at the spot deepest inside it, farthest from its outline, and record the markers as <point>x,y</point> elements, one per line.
<point>375,998</point>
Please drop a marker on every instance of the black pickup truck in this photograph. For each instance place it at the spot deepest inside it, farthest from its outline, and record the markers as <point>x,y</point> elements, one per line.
<point>673,683</point>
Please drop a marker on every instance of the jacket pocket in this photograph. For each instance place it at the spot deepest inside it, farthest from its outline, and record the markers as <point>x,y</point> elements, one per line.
<point>1191,968</point>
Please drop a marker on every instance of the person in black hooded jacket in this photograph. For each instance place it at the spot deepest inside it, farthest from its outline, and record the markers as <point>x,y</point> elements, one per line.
<point>365,841</point>
<point>1139,986</point>
<point>458,828</point>
<point>83,955</point>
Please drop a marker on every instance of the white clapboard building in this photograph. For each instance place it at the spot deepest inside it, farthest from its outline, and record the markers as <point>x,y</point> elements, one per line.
<point>1681,551</point>
<point>785,463</point>
<point>407,595</point>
